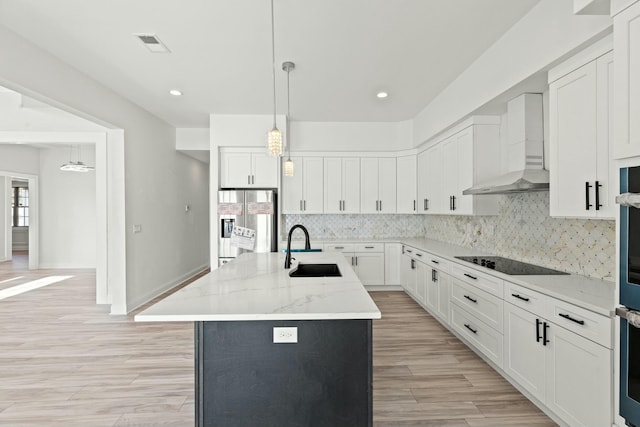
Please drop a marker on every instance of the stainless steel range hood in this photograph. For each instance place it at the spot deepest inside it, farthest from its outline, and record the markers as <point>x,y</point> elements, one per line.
<point>525,151</point>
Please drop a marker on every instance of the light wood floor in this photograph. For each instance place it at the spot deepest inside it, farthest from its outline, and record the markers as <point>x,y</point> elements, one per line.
<point>65,362</point>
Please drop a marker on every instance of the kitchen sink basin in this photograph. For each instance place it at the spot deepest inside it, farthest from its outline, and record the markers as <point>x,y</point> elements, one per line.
<point>316,270</point>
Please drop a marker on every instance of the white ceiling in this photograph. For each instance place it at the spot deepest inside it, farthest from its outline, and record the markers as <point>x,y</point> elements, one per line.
<point>345,51</point>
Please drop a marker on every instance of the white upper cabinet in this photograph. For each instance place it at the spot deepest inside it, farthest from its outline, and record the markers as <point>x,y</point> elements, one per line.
<point>582,181</point>
<point>341,185</point>
<point>247,169</point>
<point>303,192</point>
<point>460,161</point>
<point>406,185</point>
<point>626,43</point>
<point>378,185</point>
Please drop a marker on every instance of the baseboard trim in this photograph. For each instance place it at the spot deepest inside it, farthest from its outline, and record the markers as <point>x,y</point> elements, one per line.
<point>149,296</point>
<point>58,266</point>
<point>373,288</point>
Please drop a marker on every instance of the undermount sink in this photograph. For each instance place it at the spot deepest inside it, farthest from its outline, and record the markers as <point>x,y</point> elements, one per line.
<point>316,270</point>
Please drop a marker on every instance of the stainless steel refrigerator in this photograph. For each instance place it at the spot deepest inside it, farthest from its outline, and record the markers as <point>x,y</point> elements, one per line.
<point>253,209</point>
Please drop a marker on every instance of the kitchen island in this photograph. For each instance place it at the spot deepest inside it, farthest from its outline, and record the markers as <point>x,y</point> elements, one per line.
<point>319,372</point>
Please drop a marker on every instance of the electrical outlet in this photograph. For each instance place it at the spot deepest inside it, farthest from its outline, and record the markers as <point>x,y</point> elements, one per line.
<point>287,335</point>
<point>137,228</point>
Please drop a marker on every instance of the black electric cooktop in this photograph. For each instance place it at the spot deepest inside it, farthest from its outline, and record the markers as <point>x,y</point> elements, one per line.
<point>509,266</point>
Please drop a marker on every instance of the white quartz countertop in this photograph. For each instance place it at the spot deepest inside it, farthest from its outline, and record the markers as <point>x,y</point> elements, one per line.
<point>589,293</point>
<point>257,287</point>
<point>593,294</point>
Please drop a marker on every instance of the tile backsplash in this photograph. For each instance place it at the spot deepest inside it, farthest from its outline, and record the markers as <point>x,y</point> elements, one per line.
<point>522,230</point>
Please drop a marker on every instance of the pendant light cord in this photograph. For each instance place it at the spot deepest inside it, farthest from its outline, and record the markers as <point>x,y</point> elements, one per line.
<point>273,62</point>
<point>288,116</point>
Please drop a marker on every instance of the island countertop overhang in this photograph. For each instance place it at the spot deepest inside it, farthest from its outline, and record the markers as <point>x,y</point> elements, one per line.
<point>257,287</point>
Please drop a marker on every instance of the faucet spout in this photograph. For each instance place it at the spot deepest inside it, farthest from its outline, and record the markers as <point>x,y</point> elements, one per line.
<point>307,244</point>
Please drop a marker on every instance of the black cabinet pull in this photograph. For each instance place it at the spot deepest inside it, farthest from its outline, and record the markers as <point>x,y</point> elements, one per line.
<point>450,203</point>
<point>475,331</point>
<point>409,250</point>
<point>368,247</point>
<point>566,316</point>
<point>470,276</point>
<point>339,247</point>
<point>471,299</point>
<point>433,275</point>
<point>426,204</point>
<point>414,205</point>
<point>380,205</point>
<point>356,261</point>
<point>520,297</point>
<point>587,186</point>
<point>304,204</point>
<point>454,202</point>
<point>544,334</point>
<point>417,254</point>
<point>434,261</point>
<point>598,205</point>
<point>413,264</point>
<point>538,323</point>
<point>249,179</point>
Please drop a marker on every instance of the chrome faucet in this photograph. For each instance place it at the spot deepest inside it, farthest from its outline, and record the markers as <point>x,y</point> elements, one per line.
<point>307,244</point>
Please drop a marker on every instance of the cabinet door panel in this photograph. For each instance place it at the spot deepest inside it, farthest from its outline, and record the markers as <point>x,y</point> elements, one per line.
<point>435,179</point>
<point>292,189</point>
<point>444,281</point>
<point>578,379</point>
<point>421,282</point>
<point>236,170</point>
<point>332,185</point>
<point>265,170</point>
<point>392,263</point>
<point>369,185</point>
<point>387,185</point>
<point>449,174</point>
<point>423,168</point>
<point>626,30</point>
<point>406,185</point>
<point>606,175</point>
<point>573,128</point>
<point>370,268</point>
<point>431,300</point>
<point>313,185</point>
<point>351,185</point>
<point>464,204</point>
<point>524,357</point>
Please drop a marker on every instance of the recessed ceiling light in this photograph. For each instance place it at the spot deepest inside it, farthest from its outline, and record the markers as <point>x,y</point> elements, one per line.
<point>175,92</point>
<point>382,95</point>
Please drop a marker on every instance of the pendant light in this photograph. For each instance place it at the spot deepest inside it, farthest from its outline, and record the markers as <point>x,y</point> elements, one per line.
<point>288,165</point>
<point>274,136</point>
<point>76,166</point>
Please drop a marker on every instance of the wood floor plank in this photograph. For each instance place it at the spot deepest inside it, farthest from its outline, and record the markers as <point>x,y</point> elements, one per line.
<point>65,362</point>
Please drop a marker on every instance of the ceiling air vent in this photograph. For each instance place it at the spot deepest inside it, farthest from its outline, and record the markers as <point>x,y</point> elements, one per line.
<point>152,42</point>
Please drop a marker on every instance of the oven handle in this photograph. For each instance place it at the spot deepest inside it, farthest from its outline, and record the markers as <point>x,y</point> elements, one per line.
<point>632,317</point>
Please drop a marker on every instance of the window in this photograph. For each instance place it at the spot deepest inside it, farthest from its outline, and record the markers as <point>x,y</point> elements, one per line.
<point>20,207</point>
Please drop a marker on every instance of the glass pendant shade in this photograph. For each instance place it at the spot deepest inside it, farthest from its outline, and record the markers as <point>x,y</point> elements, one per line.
<point>275,142</point>
<point>288,168</point>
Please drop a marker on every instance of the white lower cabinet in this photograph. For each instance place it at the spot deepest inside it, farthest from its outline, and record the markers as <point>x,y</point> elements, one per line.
<point>438,293</point>
<point>483,337</point>
<point>408,274</point>
<point>367,260</point>
<point>568,373</point>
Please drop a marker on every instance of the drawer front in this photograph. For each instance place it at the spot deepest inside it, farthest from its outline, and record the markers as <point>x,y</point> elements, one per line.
<point>482,305</point>
<point>484,338</point>
<point>593,326</point>
<point>478,279</point>
<point>436,262</point>
<point>339,247</point>
<point>532,301</point>
<point>369,247</point>
<point>413,253</point>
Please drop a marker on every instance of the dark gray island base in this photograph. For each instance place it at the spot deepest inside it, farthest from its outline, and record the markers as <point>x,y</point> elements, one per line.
<point>244,379</point>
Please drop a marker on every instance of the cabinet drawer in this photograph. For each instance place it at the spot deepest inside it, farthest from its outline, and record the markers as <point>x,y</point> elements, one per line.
<point>412,252</point>
<point>484,338</point>
<point>339,247</point>
<point>436,262</point>
<point>478,279</point>
<point>532,301</point>
<point>593,326</point>
<point>369,247</point>
<point>483,305</point>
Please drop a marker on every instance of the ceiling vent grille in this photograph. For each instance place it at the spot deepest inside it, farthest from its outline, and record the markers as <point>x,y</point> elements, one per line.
<point>152,42</point>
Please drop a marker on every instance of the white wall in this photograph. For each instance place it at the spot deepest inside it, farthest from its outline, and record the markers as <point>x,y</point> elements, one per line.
<point>547,34</point>
<point>162,255</point>
<point>67,211</point>
<point>19,158</point>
